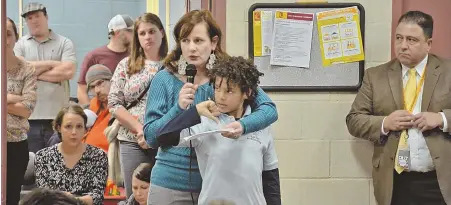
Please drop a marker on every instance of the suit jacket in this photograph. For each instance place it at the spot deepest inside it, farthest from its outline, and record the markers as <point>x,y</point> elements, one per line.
<point>380,95</point>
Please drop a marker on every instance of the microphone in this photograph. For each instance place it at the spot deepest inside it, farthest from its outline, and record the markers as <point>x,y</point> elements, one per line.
<point>190,73</point>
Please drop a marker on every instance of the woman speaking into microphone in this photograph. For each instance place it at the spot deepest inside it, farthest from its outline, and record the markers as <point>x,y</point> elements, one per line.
<point>175,177</point>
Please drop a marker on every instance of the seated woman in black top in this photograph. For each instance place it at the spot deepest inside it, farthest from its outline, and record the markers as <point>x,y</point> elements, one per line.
<point>72,166</point>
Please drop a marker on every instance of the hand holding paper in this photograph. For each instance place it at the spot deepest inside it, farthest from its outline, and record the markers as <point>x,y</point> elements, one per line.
<point>203,134</point>
<point>234,130</point>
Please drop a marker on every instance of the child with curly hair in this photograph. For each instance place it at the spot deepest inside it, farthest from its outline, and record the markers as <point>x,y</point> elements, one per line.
<point>243,170</point>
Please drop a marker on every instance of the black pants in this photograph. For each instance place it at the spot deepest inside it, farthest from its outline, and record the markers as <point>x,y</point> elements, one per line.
<point>39,134</point>
<point>16,165</point>
<point>416,188</point>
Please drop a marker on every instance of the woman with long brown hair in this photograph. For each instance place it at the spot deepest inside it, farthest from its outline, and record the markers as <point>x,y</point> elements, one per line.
<point>175,177</point>
<point>132,78</point>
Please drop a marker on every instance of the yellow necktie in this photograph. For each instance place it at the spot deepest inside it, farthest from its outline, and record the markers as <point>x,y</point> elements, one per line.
<point>409,99</point>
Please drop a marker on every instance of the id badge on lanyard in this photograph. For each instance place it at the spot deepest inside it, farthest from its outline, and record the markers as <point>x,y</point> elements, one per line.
<point>404,151</point>
<point>404,157</point>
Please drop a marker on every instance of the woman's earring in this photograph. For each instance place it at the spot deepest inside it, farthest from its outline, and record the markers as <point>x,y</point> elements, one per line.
<point>181,65</point>
<point>211,61</point>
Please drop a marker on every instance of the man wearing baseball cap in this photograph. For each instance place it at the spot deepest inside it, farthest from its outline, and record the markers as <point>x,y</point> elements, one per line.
<point>120,31</point>
<point>98,82</point>
<point>53,57</point>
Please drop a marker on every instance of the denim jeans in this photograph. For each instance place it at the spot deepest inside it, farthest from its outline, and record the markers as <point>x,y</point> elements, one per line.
<point>39,134</point>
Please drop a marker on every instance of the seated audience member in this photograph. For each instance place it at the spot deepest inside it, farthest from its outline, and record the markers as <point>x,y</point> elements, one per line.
<point>76,168</point>
<point>98,81</point>
<point>55,139</point>
<point>43,196</point>
<point>243,169</point>
<point>140,185</point>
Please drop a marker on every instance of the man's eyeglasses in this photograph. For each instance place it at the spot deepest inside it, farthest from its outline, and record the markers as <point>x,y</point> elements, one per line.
<point>99,84</point>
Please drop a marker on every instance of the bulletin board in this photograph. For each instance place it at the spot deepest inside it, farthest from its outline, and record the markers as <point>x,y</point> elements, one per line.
<point>336,77</point>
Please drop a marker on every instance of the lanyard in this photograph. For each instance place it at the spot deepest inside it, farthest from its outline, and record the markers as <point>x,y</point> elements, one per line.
<point>419,86</point>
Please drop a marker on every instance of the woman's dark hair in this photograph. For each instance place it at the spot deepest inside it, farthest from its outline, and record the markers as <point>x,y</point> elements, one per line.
<point>14,28</point>
<point>137,56</point>
<point>142,172</point>
<point>184,27</point>
<point>239,71</point>
<point>43,196</point>
<point>72,108</point>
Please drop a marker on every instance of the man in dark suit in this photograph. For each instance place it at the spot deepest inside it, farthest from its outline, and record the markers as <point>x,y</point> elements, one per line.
<point>404,108</point>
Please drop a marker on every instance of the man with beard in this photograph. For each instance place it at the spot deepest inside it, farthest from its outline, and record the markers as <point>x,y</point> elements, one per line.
<point>120,31</point>
<point>98,82</point>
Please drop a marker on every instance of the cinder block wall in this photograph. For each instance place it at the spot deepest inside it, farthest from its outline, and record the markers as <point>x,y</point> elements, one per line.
<point>320,162</point>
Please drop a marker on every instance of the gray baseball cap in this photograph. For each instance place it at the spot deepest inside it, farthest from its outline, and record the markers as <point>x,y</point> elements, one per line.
<point>31,7</point>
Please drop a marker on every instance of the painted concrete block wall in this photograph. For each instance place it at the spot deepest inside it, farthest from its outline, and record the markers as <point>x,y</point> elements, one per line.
<point>177,9</point>
<point>320,163</point>
<point>12,10</point>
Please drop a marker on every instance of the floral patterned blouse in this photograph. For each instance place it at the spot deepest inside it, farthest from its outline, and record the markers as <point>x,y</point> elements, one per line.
<point>22,82</point>
<point>87,177</point>
<point>126,88</point>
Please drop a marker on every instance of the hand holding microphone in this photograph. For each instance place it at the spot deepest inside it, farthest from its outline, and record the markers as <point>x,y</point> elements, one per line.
<point>186,95</point>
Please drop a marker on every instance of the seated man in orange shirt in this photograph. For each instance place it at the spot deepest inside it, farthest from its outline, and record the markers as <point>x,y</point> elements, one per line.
<point>98,81</point>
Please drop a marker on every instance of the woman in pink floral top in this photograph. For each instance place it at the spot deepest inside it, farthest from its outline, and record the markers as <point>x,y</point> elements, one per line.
<point>21,100</point>
<point>132,77</point>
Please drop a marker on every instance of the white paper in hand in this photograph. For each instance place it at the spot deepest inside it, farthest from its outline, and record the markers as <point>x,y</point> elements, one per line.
<point>207,133</point>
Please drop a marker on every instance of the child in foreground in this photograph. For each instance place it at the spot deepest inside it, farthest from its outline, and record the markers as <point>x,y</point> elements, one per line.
<point>243,170</point>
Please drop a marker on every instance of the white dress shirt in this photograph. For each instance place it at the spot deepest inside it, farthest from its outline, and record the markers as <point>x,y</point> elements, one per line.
<point>420,157</point>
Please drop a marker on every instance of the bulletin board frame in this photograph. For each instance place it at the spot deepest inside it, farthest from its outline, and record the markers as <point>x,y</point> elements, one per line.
<point>360,66</point>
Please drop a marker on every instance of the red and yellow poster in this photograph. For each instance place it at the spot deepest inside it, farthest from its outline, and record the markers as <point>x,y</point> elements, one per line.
<point>339,35</point>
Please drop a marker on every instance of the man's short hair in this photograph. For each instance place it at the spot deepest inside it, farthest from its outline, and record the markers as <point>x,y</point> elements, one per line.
<point>43,196</point>
<point>420,18</point>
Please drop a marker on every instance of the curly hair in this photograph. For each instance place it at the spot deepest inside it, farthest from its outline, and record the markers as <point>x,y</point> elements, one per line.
<point>239,71</point>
